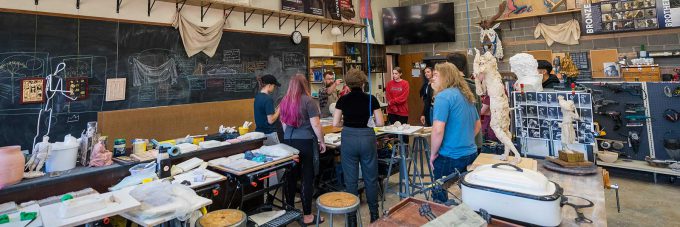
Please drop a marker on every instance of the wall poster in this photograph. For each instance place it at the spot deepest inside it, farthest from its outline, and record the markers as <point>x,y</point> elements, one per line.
<point>668,13</point>
<point>325,8</point>
<point>631,15</point>
<point>620,16</point>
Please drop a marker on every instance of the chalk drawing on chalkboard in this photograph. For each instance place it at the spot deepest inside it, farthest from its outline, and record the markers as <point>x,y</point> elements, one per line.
<point>293,59</point>
<point>197,84</point>
<point>215,83</point>
<point>147,93</point>
<point>73,118</point>
<point>80,65</point>
<point>231,56</point>
<point>254,66</point>
<point>17,65</point>
<point>223,69</point>
<point>240,84</point>
<point>148,74</point>
<point>153,66</point>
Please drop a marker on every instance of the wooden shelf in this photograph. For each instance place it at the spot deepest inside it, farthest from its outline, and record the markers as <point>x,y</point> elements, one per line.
<point>540,15</point>
<point>639,166</point>
<point>268,12</point>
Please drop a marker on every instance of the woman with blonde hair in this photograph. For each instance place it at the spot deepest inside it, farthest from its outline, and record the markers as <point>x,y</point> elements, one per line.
<point>353,113</point>
<point>455,124</point>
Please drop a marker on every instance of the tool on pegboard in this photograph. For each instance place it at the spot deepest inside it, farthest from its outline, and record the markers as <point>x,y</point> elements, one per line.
<point>614,115</point>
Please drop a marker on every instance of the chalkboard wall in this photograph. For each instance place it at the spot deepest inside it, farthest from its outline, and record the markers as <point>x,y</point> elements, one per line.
<point>150,57</point>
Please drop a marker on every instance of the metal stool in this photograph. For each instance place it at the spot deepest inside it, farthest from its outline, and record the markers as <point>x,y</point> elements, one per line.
<point>337,203</point>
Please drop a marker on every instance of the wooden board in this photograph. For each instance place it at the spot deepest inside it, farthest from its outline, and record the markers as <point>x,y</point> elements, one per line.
<point>542,54</point>
<point>124,203</point>
<point>265,165</point>
<point>590,187</point>
<point>538,9</point>
<point>406,213</point>
<point>599,57</point>
<point>569,164</point>
<point>331,129</point>
<point>579,171</point>
<point>484,159</point>
<point>170,122</point>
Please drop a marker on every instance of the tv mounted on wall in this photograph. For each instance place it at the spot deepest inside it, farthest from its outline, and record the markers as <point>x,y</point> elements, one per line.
<point>429,23</point>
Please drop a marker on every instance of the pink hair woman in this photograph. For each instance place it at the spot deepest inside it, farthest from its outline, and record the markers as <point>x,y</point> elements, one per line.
<point>302,130</point>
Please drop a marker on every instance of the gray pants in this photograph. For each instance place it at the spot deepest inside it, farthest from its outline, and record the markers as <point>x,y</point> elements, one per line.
<point>358,146</point>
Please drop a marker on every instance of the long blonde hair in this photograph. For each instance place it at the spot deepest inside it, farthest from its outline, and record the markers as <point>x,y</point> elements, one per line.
<point>450,76</point>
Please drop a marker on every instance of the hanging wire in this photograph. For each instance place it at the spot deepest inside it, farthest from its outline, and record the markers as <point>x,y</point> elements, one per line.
<point>467,14</point>
<point>368,63</point>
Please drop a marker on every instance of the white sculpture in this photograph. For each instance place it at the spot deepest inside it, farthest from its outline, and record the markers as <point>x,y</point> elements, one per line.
<point>39,155</point>
<point>525,67</point>
<point>488,81</point>
<point>569,115</point>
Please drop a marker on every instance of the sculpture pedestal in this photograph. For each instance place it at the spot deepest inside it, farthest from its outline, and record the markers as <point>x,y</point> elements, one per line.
<point>483,159</point>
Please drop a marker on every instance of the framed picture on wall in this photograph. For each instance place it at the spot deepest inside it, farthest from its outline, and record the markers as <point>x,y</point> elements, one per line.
<point>32,90</point>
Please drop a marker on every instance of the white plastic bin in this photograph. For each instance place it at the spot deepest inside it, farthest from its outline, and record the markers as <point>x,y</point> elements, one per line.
<point>62,157</point>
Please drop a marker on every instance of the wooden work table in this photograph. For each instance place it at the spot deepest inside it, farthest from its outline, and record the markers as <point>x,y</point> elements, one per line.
<point>590,187</point>
<point>101,178</point>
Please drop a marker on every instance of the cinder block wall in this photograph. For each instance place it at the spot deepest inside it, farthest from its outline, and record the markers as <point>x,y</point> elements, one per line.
<point>518,35</point>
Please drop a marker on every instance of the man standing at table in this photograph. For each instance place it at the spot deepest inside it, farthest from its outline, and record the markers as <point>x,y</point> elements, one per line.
<point>265,113</point>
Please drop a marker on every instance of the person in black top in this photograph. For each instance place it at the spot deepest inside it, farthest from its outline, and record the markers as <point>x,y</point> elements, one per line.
<point>353,113</point>
<point>426,93</point>
<point>549,80</point>
<point>263,109</point>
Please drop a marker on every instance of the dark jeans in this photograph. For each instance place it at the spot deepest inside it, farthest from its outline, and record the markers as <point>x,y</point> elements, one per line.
<point>305,169</point>
<point>392,118</point>
<point>443,166</point>
<point>358,147</point>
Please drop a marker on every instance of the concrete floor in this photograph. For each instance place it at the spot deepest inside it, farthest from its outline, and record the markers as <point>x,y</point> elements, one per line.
<point>643,203</point>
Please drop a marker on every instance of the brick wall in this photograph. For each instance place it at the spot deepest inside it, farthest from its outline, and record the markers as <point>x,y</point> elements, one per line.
<point>518,34</point>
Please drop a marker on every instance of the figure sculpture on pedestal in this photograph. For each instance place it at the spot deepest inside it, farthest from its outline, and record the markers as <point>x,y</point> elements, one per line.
<point>488,81</point>
<point>569,115</point>
<point>39,155</point>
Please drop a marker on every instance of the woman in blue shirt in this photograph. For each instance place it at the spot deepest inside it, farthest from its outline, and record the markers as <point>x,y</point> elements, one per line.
<point>455,124</point>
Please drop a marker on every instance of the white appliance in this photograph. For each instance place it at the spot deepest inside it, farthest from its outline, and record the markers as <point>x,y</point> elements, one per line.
<point>507,191</point>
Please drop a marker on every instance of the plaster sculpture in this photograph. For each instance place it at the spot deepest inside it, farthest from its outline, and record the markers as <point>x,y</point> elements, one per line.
<point>488,81</point>
<point>525,67</point>
<point>100,156</point>
<point>569,115</point>
<point>39,155</point>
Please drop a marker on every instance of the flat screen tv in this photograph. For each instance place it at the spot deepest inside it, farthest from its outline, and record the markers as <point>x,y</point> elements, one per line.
<point>429,23</point>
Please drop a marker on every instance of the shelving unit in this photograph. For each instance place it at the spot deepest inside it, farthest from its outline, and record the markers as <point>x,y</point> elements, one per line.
<point>266,14</point>
<point>321,64</point>
<point>357,55</point>
<point>639,166</point>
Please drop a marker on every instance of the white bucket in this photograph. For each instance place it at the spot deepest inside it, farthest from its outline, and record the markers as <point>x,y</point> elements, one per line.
<point>62,157</point>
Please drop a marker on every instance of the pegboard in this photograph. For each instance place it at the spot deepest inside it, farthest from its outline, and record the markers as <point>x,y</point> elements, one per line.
<point>601,91</point>
<point>658,103</point>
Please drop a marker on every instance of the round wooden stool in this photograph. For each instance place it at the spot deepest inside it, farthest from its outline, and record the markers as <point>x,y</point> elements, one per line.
<point>337,203</point>
<point>220,218</point>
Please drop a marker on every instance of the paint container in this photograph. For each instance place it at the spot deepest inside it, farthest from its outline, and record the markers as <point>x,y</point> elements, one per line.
<point>242,130</point>
<point>119,147</point>
<point>138,146</point>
